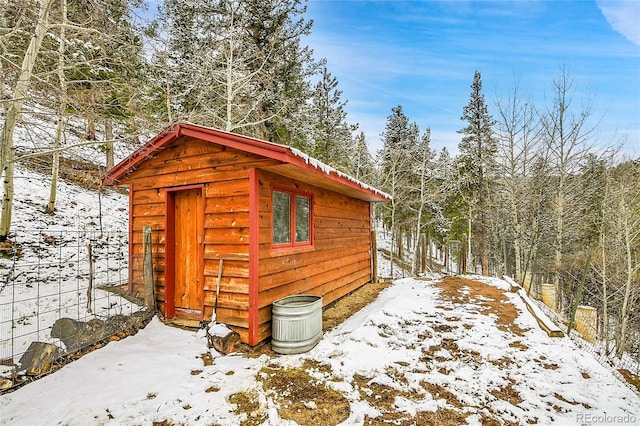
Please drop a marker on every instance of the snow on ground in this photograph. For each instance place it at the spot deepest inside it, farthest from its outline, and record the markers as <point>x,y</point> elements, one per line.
<point>436,347</point>
<point>431,348</point>
<point>49,278</point>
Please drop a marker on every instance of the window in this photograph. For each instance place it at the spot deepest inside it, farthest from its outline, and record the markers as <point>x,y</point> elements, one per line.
<point>291,219</point>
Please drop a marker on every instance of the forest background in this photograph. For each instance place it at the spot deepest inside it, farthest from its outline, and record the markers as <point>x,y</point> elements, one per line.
<point>531,193</point>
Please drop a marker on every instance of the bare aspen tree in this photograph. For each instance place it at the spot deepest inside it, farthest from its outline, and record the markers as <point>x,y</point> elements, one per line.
<point>628,203</point>
<point>601,264</point>
<point>567,136</point>
<point>424,155</point>
<point>516,134</point>
<point>60,126</point>
<point>20,94</point>
<point>109,146</point>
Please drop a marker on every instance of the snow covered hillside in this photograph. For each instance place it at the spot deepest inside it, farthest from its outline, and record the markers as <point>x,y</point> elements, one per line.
<point>45,268</point>
<point>427,351</point>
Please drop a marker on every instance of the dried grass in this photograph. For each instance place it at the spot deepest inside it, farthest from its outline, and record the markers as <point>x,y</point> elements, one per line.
<point>247,403</point>
<point>302,398</point>
<point>342,309</point>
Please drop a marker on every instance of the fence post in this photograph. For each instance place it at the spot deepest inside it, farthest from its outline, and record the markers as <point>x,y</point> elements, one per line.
<point>90,287</point>
<point>374,257</point>
<point>149,286</point>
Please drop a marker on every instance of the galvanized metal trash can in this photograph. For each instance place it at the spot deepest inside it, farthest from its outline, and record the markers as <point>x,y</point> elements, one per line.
<point>296,323</point>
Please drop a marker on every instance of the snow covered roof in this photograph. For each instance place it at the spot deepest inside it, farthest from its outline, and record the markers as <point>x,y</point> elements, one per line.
<point>293,162</point>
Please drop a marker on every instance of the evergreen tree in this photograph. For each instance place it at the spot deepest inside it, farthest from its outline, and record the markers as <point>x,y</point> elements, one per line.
<point>235,64</point>
<point>477,166</point>
<point>362,165</point>
<point>396,163</point>
<point>331,135</point>
<point>276,31</point>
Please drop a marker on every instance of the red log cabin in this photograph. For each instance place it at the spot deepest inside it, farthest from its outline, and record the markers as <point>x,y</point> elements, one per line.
<point>283,223</point>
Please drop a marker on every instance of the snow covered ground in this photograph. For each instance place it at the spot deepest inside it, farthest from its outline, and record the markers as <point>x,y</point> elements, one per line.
<point>48,278</point>
<point>424,352</point>
<point>422,347</point>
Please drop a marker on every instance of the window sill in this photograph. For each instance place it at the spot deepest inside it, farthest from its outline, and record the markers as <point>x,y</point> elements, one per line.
<point>285,251</point>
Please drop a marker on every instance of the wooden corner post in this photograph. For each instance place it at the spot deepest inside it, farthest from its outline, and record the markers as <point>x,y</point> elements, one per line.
<point>149,285</point>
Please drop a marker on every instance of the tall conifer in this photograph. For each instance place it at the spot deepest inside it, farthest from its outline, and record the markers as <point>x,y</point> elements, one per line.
<point>476,165</point>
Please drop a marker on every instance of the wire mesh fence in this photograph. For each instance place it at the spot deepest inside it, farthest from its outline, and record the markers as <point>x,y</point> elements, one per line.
<point>588,332</point>
<point>80,276</point>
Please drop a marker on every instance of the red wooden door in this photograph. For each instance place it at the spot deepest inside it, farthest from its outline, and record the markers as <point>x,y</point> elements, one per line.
<point>188,278</point>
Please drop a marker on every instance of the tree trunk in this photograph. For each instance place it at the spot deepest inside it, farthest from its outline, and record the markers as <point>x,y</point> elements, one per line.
<point>469,255</point>
<point>430,255</point>
<point>91,128</point>
<point>55,160</point>
<point>108,135</point>
<point>484,249</point>
<point>630,272</point>
<point>605,304</point>
<point>463,258</point>
<point>20,93</point>
<point>559,210</point>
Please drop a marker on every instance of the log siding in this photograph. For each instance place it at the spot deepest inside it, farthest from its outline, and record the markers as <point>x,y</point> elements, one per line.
<point>236,177</point>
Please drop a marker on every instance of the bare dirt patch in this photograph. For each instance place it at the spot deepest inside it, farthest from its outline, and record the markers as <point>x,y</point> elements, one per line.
<point>442,417</point>
<point>303,399</point>
<point>633,379</point>
<point>491,299</point>
<point>448,349</point>
<point>383,398</point>
<point>518,344</point>
<point>508,393</point>
<point>441,392</point>
<point>502,362</point>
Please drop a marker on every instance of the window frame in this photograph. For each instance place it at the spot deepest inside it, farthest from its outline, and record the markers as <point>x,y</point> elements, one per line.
<point>292,193</point>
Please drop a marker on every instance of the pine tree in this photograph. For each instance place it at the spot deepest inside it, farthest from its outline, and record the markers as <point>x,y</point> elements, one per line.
<point>277,28</point>
<point>235,64</point>
<point>477,166</point>
<point>396,163</point>
<point>331,135</point>
<point>362,165</point>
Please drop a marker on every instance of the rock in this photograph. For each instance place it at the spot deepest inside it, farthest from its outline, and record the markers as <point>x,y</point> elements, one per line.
<point>77,334</point>
<point>65,329</point>
<point>5,383</point>
<point>38,358</point>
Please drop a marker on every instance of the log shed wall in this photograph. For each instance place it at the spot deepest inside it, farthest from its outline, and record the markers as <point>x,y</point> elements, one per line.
<point>224,174</point>
<point>338,262</point>
<point>207,196</point>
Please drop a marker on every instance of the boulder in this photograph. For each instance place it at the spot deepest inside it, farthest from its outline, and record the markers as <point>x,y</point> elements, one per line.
<point>38,358</point>
<point>77,334</point>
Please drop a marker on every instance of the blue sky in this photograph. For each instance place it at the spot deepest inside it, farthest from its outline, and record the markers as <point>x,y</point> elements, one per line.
<point>423,54</point>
